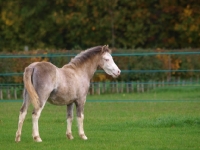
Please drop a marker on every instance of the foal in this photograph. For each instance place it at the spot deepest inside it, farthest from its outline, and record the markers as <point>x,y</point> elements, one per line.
<point>63,86</point>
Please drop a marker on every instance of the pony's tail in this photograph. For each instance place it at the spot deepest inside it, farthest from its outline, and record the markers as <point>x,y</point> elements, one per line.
<point>29,87</point>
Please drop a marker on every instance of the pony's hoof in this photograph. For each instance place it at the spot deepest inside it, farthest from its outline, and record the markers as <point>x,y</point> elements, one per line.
<point>83,137</point>
<point>69,136</point>
<point>17,139</point>
<point>37,139</point>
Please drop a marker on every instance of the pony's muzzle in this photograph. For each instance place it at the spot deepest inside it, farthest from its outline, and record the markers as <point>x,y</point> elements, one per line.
<point>116,73</point>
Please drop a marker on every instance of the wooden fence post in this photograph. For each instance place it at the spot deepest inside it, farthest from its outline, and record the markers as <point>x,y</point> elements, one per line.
<point>121,87</point>
<point>98,88</point>
<point>1,93</point>
<point>183,83</point>
<point>15,92</point>
<point>142,87</point>
<point>179,81</point>
<point>163,83</point>
<point>113,87</point>
<point>117,90</point>
<point>92,86</point>
<point>138,86</point>
<point>8,93</point>
<point>132,87</point>
<point>191,81</point>
<point>127,87</point>
<point>103,87</point>
<point>154,85</point>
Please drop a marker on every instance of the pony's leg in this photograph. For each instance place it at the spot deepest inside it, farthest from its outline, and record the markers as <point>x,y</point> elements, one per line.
<point>35,118</point>
<point>69,121</point>
<point>80,118</point>
<point>22,115</point>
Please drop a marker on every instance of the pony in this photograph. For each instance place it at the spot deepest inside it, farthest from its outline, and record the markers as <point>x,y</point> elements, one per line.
<point>68,85</point>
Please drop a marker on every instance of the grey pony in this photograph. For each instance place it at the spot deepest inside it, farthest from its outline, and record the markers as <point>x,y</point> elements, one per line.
<point>68,85</point>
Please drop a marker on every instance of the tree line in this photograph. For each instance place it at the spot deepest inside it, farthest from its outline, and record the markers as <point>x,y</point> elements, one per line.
<point>72,24</point>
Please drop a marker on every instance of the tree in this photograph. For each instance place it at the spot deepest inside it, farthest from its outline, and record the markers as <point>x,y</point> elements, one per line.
<point>76,24</point>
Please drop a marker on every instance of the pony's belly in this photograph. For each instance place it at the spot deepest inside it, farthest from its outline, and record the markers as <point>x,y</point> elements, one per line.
<point>59,101</point>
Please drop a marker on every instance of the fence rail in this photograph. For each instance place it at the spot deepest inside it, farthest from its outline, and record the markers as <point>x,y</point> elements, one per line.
<point>71,54</point>
<point>122,71</point>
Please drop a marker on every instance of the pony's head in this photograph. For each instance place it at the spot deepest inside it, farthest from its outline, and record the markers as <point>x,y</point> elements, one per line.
<point>107,63</point>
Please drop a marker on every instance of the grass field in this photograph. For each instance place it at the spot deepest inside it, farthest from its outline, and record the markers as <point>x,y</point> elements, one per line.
<point>169,120</point>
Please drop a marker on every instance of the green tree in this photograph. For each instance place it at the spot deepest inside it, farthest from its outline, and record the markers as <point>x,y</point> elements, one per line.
<point>73,24</point>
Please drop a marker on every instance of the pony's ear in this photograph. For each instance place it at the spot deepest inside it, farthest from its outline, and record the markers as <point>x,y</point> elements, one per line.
<point>105,49</point>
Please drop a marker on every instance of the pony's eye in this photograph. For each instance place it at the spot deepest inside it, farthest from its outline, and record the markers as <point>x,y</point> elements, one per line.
<point>107,59</point>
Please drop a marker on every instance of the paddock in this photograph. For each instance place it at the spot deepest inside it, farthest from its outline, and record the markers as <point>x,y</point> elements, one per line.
<point>114,121</point>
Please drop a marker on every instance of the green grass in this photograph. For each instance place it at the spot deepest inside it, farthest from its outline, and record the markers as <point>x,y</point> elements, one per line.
<point>161,94</point>
<point>116,125</point>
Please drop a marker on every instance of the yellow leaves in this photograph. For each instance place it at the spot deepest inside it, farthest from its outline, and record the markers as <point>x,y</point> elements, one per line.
<point>9,13</point>
<point>169,61</point>
<point>38,59</point>
<point>171,40</point>
<point>102,77</point>
<point>194,28</point>
<point>6,17</point>
<point>163,58</point>
<point>59,2</point>
<point>189,40</point>
<point>175,64</point>
<point>189,25</point>
<point>179,27</point>
<point>99,77</point>
<point>187,12</point>
<point>187,28</point>
<point>58,16</point>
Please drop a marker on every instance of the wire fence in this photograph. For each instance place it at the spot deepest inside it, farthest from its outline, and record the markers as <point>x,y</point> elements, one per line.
<point>15,90</point>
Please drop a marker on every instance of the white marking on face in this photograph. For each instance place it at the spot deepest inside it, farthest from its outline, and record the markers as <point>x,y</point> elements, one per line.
<point>109,65</point>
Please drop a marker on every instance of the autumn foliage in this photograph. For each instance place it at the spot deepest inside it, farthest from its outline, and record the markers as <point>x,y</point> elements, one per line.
<point>52,25</point>
<point>72,24</point>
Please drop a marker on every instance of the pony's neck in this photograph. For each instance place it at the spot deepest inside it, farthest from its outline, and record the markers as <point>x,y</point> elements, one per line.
<point>89,68</point>
<point>86,69</point>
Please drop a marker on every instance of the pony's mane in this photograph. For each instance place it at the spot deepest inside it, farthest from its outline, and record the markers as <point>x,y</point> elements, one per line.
<point>88,54</point>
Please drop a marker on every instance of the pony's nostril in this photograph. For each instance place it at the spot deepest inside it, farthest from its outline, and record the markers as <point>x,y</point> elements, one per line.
<point>119,71</point>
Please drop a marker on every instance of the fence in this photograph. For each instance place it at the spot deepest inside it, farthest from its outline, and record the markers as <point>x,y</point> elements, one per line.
<point>11,91</point>
<point>136,85</point>
<point>15,91</point>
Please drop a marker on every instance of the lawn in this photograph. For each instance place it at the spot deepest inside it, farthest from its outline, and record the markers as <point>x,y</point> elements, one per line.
<point>158,95</point>
<point>144,124</point>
